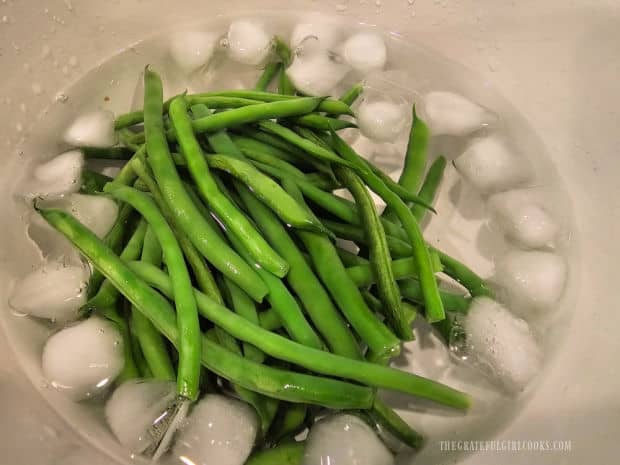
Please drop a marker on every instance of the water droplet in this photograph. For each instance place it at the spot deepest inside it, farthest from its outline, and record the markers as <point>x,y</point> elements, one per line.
<point>61,98</point>
<point>37,89</point>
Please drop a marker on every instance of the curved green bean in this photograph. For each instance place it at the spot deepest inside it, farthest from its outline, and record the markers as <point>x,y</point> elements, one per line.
<point>187,314</point>
<point>379,253</point>
<point>270,72</point>
<point>280,384</point>
<point>285,86</point>
<point>430,186</point>
<point>389,420</point>
<point>351,95</point>
<point>303,281</point>
<point>434,307</point>
<point>228,213</point>
<point>310,358</point>
<point>186,214</point>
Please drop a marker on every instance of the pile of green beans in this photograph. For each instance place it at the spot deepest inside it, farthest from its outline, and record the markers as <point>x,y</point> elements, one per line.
<point>223,263</point>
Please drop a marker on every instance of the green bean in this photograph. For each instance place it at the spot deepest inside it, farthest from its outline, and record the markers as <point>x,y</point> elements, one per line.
<point>250,144</point>
<point>287,308</point>
<point>268,191</point>
<point>185,304</point>
<point>270,72</point>
<point>280,384</point>
<point>389,420</point>
<point>333,274</point>
<point>130,369</point>
<point>285,86</point>
<point>380,258</point>
<point>129,119</point>
<point>432,300</point>
<point>290,453</point>
<point>411,312</point>
<point>322,123</point>
<point>141,365</point>
<point>93,182</point>
<point>108,153</point>
<point>411,290</point>
<point>322,181</point>
<point>310,358</point>
<point>131,140</point>
<point>241,303</point>
<point>107,295</point>
<point>350,259</point>
<point>364,275</point>
<point>351,95</point>
<point>270,140</point>
<point>218,103</point>
<point>186,214</point>
<point>430,186</point>
<point>289,423</point>
<point>255,113</point>
<point>476,286</point>
<point>258,248</point>
<point>306,145</point>
<point>309,134</point>
<point>303,281</point>
<point>333,107</point>
<point>270,320</point>
<point>127,175</point>
<point>415,158</point>
<point>202,273</point>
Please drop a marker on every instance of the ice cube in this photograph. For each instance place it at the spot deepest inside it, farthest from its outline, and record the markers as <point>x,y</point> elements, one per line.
<point>59,176</point>
<point>501,344</point>
<point>94,129</point>
<point>133,408</point>
<point>447,113</point>
<point>191,50</point>
<point>219,430</point>
<point>316,73</point>
<point>83,359</point>
<point>345,439</point>
<point>382,120</point>
<point>53,291</point>
<point>248,42</point>
<point>490,166</point>
<point>532,280</point>
<point>365,52</point>
<point>523,220</point>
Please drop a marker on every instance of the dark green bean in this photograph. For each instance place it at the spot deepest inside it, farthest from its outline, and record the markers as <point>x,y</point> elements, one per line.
<point>280,384</point>
<point>290,453</point>
<point>333,274</point>
<point>430,186</point>
<point>268,191</point>
<point>93,182</point>
<point>186,214</point>
<point>270,72</point>
<point>379,253</point>
<point>258,248</point>
<point>433,304</point>
<point>108,153</point>
<point>415,159</point>
<point>185,304</point>
<point>290,421</point>
<point>270,320</point>
<point>312,359</point>
<point>303,281</point>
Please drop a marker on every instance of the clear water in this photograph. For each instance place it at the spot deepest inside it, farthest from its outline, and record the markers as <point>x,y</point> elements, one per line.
<point>461,228</point>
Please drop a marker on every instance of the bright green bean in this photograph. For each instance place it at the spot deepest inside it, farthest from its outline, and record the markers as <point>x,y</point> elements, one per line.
<point>411,290</point>
<point>350,259</point>
<point>258,248</point>
<point>432,300</point>
<point>379,253</point>
<point>270,320</point>
<point>364,276</point>
<point>351,95</point>
<point>280,384</point>
<point>430,186</point>
<point>218,102</point>
<point>333,274</point>
<point>322,123</point>
<point>185,304</point>
<point>476,286</point>
<point>186,214</point>
<point>285,86</point>
<point>246,143</point>
<point>312,359</point>
<point>389,420</point>
<point>303,281</point>
<point>290,453</point>
<point>270,72</point>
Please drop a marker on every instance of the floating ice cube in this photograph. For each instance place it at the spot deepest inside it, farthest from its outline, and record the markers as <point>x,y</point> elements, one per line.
<point>345,440</point>
<point>94,129</point>
<point>382,120</point>
<point>248,42</point>
<point>523,220</point>
<point>365,52</point>
<point>219,430</point>
<point>326,35</point>
<point>54,291</point>
<point>316,73</point>
<point>84,359</point>
<point>133,408</point>
<point>59,176</point>
<point>191,50</point>
<point>490,167</point>
<point>447,113</point>
<point>501,344</point>
<point>532,280</point>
